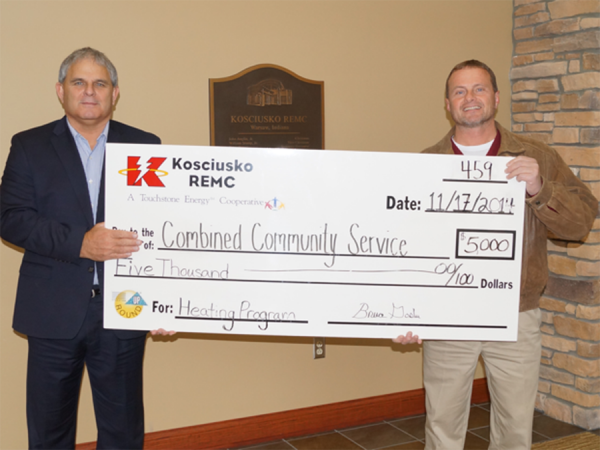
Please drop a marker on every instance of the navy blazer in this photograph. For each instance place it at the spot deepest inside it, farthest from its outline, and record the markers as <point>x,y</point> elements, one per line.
<point>45,209</point>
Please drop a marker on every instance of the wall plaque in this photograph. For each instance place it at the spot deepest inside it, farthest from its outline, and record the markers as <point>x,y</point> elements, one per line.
<point>266,106</point>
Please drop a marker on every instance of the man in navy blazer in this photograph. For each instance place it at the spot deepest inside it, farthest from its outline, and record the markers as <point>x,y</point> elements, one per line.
<point>52,205</point>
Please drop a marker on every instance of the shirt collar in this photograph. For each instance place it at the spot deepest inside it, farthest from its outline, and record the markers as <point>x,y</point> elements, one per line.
<point>493,151</point>
<point>103,136</point>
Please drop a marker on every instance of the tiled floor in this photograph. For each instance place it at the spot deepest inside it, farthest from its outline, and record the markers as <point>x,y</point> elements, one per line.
<point>409,434</point>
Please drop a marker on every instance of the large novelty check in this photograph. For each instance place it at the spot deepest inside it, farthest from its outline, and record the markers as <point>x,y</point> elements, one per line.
<point>314,242</point>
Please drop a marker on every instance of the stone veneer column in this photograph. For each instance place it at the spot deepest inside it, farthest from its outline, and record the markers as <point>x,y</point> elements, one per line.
<point>555,79</point>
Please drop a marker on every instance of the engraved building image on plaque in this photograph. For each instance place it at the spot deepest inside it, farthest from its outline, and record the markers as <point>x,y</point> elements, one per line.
<point>266,106</point>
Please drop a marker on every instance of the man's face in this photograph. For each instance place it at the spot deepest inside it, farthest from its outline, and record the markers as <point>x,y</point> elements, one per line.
<point>87,94</point>
<point>471,100</point>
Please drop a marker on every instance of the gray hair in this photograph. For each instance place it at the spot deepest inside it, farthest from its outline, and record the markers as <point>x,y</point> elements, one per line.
<point>88,52</point>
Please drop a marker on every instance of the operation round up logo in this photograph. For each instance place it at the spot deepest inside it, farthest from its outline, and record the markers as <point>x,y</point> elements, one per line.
<point>129,304</point>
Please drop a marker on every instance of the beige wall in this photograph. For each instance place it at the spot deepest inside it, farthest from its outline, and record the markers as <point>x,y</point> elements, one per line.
<point>384,64</point>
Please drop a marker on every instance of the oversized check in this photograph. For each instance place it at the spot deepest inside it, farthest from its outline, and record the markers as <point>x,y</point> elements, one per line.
<point>314,242</point>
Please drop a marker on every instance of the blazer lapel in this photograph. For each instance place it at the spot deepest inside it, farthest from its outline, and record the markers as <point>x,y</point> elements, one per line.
<point>113,136</point>
<point>65,148</point>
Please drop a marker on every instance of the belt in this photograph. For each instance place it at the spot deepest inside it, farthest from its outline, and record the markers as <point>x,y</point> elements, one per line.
<point>95,292</point>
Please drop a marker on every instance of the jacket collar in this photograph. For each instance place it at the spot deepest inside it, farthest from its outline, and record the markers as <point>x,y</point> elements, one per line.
<point>66,149</point>
<point>509,145</point>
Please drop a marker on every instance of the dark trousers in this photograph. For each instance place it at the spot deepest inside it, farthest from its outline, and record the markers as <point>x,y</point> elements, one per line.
<point>54,373</point>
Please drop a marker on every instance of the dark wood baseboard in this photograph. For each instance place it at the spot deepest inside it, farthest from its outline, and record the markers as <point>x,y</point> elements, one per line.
<point>297,422</point>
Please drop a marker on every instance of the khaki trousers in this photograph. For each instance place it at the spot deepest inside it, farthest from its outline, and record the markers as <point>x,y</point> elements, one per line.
<point>512,371</point>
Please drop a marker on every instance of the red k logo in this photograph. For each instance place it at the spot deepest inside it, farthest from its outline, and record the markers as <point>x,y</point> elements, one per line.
<point>151,175</point>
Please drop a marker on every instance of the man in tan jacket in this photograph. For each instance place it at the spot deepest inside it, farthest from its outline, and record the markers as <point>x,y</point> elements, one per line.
<point>556,201</point>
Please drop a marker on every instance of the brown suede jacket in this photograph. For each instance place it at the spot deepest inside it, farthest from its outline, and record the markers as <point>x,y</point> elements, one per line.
<point>564,206</point>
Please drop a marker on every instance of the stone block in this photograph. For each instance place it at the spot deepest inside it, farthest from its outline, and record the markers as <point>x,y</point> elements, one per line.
<point>539,126</point>
<point>528,95</point>
<point>558,376</point>
<point>578,156</point>
<point>557,27</point>
<point>534,46</point>
<point>577,41</point>
<point>517,128</point>
<point>586,292</point>
<point>559,343</point>
<point>576,365</point>
<point>590,135</point>
<point>558,410</point>
<point>547,85</point>
<point>545,361</point>
<point>590,174</point>
<point>562,265</point>
<point>588,384</point>
<point>533,117</point>
<point>590,22</point>
<point>589,100</point>
<point>575,396</point>
<point>593,237</point>
<point>527,85</point>
<point>588,269</point>
<point>571,309</point>
<point>588,312</point>
<point>548,117</point>
<point>591,61</point>
<point>586,418</point>
<point>570,8</point>
<point>574,66</point>
<point>533,19</point>
<point>518,107</point>
<point>581,81</point>
<point>578,118</point>
<point>547,329</point>
<point>565,135</point>
<point>522,33</point>
<point>569,101</point>
<point>529,9</point>
<point>522,60</point>
<point>588,349</point>
<point>546,69</point>
<point>544,386</point>
<point>584,251</point>
<point>548,107</point>
<point>547,317</point>
<point>551,304</point>
<point>545,56</point>
<point>549,98</point>
<point>546,353</point>
<point>568,326</point>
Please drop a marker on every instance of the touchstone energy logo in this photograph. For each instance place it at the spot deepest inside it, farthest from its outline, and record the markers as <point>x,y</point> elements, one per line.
<point>274,204</point>
<point>150,176</point>
<point>129,304</point>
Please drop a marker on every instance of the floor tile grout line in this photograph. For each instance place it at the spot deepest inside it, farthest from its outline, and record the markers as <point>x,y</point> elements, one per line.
<point>405,432</point>
<point>290,444</point>
<point>350,439</point>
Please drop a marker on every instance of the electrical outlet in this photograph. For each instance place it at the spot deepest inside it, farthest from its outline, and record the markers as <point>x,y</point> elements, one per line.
<point>318,348</point>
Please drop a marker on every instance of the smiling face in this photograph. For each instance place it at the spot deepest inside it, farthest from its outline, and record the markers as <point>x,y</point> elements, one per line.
<point>87,94</point>
<point>471,100</point>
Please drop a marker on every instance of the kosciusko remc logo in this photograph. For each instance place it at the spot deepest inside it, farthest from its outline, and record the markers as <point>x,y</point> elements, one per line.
<point>151,175</point>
